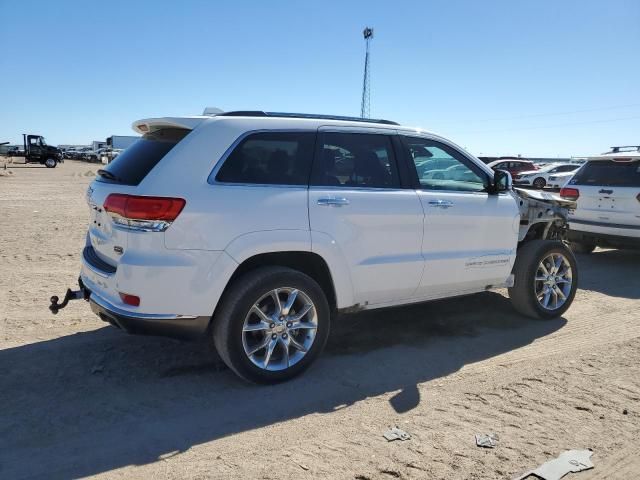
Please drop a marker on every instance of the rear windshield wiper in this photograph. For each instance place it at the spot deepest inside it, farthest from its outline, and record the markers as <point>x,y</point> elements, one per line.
<point>108,175</point>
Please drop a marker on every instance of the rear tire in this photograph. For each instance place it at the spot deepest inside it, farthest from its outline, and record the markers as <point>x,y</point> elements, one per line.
<point>579,247</point>
<point>539,183</point>
<point>266,343</point>
<point>545,272</point>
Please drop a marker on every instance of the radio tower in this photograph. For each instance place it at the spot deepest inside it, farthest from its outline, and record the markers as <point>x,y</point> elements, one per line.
<point>365,106</point>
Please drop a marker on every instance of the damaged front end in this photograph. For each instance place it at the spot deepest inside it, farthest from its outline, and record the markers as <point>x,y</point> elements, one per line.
<point>543,215</point>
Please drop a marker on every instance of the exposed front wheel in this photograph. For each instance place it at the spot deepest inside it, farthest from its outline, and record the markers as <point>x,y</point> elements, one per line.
<point>546,279</point>
<point>50,163</point>
<point>272,324</point>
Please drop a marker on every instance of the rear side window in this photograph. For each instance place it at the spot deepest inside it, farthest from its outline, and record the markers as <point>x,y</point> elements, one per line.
<point>134,163</point>
<point>355,160</point>
<point>609,174</point>
<point>272,158</point>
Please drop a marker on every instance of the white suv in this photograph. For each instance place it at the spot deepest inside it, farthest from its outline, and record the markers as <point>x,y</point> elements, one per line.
<point>607,191</point>
<point>257,228</point>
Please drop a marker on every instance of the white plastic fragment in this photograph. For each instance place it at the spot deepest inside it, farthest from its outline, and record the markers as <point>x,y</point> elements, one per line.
<point>571,461</point>
<point>396,434</point>
<point>486,440</point>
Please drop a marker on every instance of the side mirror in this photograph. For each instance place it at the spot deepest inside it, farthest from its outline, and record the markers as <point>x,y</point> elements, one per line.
<point>502,181</point>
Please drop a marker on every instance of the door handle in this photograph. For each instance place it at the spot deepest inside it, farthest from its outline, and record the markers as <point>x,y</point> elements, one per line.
<point>333,201</point>
<point>440,204</point>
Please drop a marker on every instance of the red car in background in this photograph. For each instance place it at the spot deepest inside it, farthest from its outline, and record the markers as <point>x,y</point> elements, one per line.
<point>512,165</point>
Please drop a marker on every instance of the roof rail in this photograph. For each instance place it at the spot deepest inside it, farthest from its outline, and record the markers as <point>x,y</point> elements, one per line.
<point>259,113</point>
<point>619,149</point>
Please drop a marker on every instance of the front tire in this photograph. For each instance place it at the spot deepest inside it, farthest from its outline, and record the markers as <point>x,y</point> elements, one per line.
<point>272,324</point>
<point>50,163</point>
<point>546,279</point>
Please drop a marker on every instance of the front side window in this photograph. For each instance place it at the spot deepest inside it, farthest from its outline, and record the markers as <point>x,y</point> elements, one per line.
<point>355,160</point>
<point>271,158</point>
<point>440,167</point>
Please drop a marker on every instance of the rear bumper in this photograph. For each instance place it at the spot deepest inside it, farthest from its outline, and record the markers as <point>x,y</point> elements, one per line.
<point>174,326</point>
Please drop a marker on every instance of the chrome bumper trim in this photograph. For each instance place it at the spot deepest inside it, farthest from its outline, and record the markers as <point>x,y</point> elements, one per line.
<point>101,302</point>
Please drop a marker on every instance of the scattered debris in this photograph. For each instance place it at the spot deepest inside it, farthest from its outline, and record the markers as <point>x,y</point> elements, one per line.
<point>567,462</point>
<point>625,412</point>
<point>303,466</point>
<point>488,440</point>
<point>396,434</point>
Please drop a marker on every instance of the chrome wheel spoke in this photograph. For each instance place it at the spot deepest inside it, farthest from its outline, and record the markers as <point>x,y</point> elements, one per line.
<point>303,326</point>
<point>297,345</point>
<point>558,264</point>
<point>276,301</point>
<point>263,316</point>
<point>290,301</point>
<point>547,296</point>
<point>559,293</point>
<point>270,348</point>
<point>541,279</point>
<point>260,346</point>
<point>256,327</point>
<point>300,315</point>
<point>543,267</point>
<point>285,349</point>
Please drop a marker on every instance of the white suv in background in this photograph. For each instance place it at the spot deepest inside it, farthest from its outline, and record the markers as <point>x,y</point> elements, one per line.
<point>256,228</point>
<point>607,194</point>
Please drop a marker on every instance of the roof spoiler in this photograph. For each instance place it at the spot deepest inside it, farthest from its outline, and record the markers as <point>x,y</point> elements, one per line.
<point>148,125</point>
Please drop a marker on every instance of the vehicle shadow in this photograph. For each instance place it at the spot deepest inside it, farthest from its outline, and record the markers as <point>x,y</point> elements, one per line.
<point>612,272</point>
<point>96,401</point>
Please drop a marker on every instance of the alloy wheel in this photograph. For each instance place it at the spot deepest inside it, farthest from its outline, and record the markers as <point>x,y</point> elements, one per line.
<point>553,281</point>
<point>279,329</point>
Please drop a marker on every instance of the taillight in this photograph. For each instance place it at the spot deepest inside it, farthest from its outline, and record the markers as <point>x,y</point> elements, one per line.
<point>130,299</point>
<point>150,214</point>
<point>570,193</point>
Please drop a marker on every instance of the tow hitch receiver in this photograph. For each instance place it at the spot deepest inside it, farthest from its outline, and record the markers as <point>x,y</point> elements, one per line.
<point>83,293</point>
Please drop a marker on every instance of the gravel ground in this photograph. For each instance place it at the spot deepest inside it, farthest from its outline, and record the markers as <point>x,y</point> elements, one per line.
<point>79,398</point>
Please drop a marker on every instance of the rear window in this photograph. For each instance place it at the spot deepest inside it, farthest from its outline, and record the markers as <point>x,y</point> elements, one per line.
<point>134,163</point>
<point>609,174</point>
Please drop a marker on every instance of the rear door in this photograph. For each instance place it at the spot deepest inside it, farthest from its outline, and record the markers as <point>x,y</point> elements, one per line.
<point>470,236</point>
<point>356,197</point>
<point>609,197</point>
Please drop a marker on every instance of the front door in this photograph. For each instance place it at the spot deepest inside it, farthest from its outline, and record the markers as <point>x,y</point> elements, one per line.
<point>356,198</point>
<point>470,236</point>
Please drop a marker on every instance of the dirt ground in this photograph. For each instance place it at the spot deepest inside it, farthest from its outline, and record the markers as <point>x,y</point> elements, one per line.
<point>79,398</point>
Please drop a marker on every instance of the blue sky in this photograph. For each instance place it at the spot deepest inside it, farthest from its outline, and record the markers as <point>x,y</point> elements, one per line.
<point>544,77</point>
